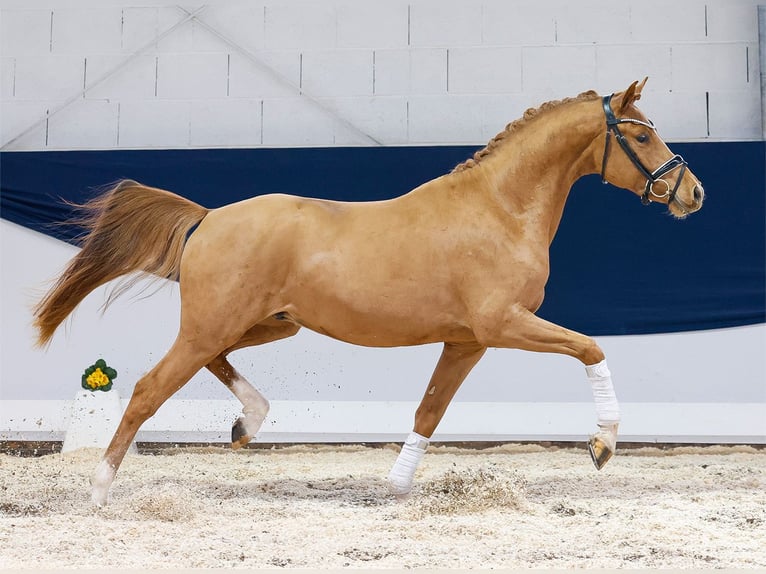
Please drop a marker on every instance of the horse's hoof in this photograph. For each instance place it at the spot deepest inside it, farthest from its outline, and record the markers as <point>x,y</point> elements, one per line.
<point>602,445</point>
<point>239,435</point>
<point>600,453</point>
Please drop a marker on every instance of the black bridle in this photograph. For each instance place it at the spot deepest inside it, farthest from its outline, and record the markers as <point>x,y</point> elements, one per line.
<point>652,177</point>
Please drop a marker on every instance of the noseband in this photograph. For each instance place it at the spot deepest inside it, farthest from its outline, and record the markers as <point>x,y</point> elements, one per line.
<point>652,177</point>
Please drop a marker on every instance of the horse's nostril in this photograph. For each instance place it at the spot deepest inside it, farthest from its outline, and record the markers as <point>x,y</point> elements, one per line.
<point>698,194</point>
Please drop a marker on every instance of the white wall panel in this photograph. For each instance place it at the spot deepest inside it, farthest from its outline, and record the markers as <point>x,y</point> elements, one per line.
<point>77,31</point>
<point>484,70</point>
<point>619,65</point>
<point>156,123</point>
<point>17,116</point>
<point>7,77</point>
<point>296,121</point>
<point>445,23</point>
<point>51,77</point>
<point>225,122</point>
<point>337,73</point>
<point>139,27</point>
<point>711,67</point>
<point>412,71</point>
<point>559,71</point>
<point>200,75</point>
<point>86,124</point>
<point>373,25</point>
<point>300,25</point>
<point>734,21</point>
<point>660,21</point>
<point>435,119</point>
<point>25,32</point>
<point>385,119</point>
<point>242,22</point>
<point>275,74</point>
<point>519,23</point>
<point>592,21</point>
<point>735,114</point>
<point>134,80</point>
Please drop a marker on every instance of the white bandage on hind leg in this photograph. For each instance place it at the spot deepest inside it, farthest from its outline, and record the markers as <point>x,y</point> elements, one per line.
<point>600,379</point>
<point>403,472</point>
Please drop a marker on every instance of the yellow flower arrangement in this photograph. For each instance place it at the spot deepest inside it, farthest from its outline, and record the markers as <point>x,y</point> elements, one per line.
<point>98,377</point>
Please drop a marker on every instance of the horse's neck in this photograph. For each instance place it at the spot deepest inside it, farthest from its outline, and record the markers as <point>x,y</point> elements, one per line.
<point>532,174</point>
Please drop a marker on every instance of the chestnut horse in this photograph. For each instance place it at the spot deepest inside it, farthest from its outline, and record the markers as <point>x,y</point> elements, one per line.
<point>462,259</point>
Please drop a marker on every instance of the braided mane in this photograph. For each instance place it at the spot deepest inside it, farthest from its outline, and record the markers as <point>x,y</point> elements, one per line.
<point>530,114</point>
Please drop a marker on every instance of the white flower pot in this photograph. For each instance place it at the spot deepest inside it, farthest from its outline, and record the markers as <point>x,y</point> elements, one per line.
<point>94,418</point>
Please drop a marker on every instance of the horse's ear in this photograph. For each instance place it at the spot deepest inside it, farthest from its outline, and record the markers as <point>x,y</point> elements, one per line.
<point>632,94</point>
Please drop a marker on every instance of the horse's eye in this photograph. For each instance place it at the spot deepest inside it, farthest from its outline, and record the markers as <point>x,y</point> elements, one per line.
<point>642,138</point>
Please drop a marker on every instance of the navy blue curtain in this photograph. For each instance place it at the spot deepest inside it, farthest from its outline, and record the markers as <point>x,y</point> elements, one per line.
<point>616,267</point>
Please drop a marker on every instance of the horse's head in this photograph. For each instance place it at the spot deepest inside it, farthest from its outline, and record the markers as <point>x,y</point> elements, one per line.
<point>636,158</point>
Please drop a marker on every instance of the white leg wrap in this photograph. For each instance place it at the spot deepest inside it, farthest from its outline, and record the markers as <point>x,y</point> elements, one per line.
<point>100,482</point>
<point>600,379</point>
<point>403,472</point>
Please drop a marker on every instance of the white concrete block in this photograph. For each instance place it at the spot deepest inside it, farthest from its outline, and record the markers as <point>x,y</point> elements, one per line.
<point>132,81</point>
<point>300,25</point>
<point>182,38</point>
<point>337,73</point>
<point>93,420</point>
<point>241,22</point>
<point>559,71</point>
<point>518,23</point>
<point>225,123</point>
<point>678,115</point>
<point>139,27</point>
<point>373,24</point>
<point>87,31</point>
<point>489,70</point>
<point>25,32</point>
<point>446,120</point>
<point>277,74</point>
<point>421,71</point>
<point>592,22</point>
<point>732,21</point>
<point>619,65</point>
<point>445,23</point>
<point>16,116</point>
<point>85,124</point>
<point>192,75</point>
<point>383,118</point>
<point>296,122</point>
<point>499,111</point>
<point>711,67</point>
<point>49,77</point>
<point>154,124</point>
<point>7,77</point>
<point>735,115</point>
<point>668,22</point>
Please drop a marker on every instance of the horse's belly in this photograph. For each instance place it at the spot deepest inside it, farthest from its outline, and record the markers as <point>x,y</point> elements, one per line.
<point>381,323</point>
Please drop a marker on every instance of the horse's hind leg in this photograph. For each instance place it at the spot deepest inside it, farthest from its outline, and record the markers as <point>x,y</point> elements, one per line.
<point>255,407</point>
<point>152,390</point>
<point>453,367</point>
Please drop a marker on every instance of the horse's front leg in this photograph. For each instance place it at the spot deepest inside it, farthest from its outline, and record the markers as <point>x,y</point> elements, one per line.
<point>455,363</point>
<point>522,329</point>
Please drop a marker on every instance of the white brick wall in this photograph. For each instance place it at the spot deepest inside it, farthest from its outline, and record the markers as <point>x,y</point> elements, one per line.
<point>400,71</point>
